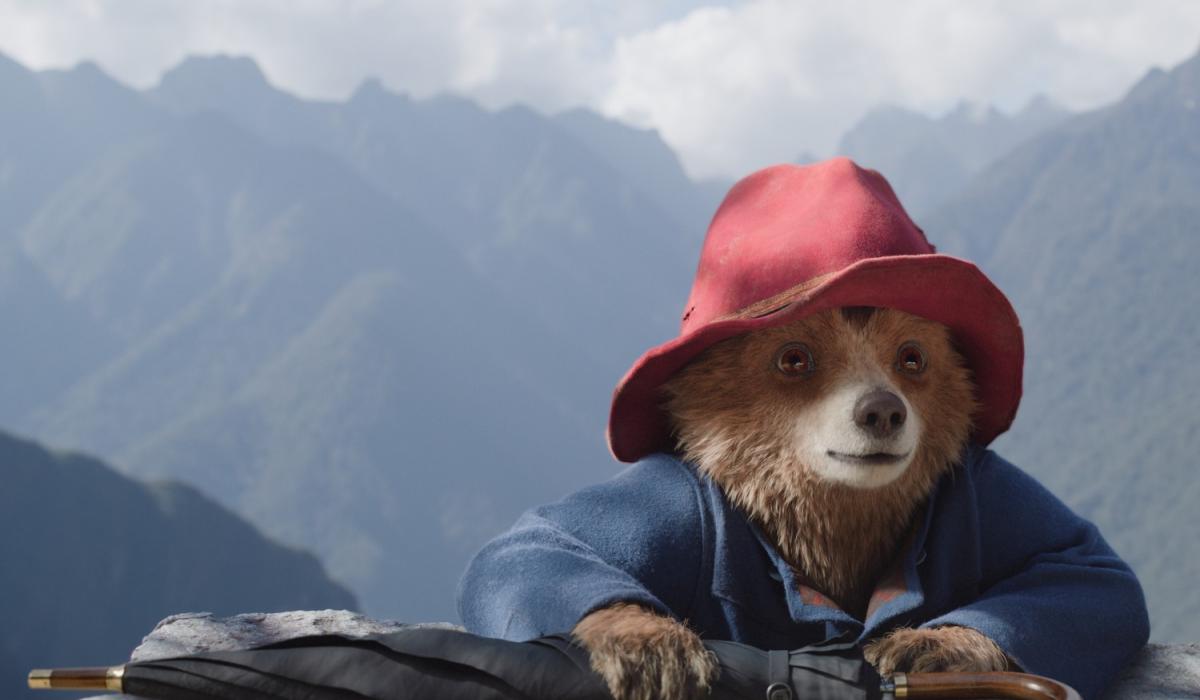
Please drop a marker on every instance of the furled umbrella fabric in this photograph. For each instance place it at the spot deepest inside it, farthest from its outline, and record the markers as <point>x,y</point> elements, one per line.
<point>448,664</point>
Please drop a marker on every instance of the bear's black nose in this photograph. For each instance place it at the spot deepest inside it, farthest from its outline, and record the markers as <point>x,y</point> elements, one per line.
<point>880,413</point>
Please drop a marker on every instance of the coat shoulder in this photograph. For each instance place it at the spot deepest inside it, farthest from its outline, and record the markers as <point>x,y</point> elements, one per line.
<point>657,496</point>
<point>1001,480</point>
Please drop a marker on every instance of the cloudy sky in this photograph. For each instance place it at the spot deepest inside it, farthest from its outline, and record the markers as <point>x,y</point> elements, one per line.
<point>732,86</point>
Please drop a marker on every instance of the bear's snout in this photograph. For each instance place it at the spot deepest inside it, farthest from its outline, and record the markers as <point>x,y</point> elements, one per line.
<point>880,413</point>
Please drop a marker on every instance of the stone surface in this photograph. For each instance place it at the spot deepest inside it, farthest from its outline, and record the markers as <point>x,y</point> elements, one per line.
<point>1160,672</point>
<point>190,633</point>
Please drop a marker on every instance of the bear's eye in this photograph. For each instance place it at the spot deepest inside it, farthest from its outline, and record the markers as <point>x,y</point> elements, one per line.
<point>910,358</point>
<point>794,360</point>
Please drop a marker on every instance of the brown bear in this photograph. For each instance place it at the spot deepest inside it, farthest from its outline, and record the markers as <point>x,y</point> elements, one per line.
<point>810,466</point>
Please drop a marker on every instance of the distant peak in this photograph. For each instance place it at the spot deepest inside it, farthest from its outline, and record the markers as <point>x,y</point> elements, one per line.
<point>587,114</point>
<point>221,69</point>
<point>884,117</point>
<point>1154,81</point>
<point>890,110</point>
<point>973,112</point>
<point>8,64</point>
<point>1040,102</point>
<point>85,75</point>
<point>89,68</point>
<point>1194,57</point>
<point>1180,81</point>
<point>1189,68</point>
<point>372,89</point>
<point>371,85</point>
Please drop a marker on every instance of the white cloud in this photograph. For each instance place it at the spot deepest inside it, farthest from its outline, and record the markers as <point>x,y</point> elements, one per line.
<point>731,86</point>
<point>737,88</point>
<point>551,53</point>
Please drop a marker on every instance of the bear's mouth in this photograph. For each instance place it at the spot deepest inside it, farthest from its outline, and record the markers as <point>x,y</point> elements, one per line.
<point>871,459</point>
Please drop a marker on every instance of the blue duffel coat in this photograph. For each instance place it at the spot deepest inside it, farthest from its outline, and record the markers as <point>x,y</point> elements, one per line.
<point>993,550</point>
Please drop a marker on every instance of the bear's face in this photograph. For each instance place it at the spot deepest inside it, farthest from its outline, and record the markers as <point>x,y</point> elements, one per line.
<point>859,397</point>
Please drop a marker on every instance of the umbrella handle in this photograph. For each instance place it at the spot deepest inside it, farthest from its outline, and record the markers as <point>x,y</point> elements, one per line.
<point>90,678</point>
<point>1015,686</point>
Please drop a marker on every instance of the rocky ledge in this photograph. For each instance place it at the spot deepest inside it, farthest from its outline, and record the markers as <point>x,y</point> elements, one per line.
<point>1160,672</point>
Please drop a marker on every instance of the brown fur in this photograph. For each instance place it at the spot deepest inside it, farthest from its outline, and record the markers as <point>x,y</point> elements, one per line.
<point>959,649</point>
<point>645,656</point>
<point>732,413</point>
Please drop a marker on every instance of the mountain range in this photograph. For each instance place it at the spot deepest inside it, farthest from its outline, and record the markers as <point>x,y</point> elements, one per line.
<point>382,327</point>
<point>379,328</point>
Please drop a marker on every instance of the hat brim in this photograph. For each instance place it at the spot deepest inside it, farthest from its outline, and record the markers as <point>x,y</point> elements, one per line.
<point>941,288</point>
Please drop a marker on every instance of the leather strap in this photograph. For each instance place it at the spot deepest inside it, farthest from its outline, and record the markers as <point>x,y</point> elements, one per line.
<point>779,675</point>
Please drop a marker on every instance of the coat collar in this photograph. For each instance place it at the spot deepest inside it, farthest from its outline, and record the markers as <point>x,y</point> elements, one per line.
<point>749,572</point>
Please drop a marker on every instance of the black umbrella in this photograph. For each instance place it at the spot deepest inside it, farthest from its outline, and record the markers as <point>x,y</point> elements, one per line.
<point>448,664</point>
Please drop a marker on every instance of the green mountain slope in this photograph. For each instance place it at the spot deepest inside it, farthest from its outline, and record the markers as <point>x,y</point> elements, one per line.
<point>1092,230</point>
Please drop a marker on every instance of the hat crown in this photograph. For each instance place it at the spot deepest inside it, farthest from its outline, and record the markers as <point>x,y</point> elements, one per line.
<point>785,225</point>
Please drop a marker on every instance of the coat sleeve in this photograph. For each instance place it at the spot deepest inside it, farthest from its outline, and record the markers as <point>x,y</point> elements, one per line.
<point>1054,595</point>
<point>636,538</point>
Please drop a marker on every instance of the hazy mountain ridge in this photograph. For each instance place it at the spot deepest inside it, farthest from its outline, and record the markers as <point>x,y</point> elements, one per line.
<point>642,158</point>
<point>1091,230</point>
<point>520,196</point>
<point>93,559</point>
<point>929,160</point>
<point>307,329</point>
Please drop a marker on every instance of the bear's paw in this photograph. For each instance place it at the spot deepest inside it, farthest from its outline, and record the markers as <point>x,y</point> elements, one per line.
<point>643,655</point>
<point>955,649</point>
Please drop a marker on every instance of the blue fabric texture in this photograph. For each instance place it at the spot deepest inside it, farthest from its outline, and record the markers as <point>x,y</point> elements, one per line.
<point>996,552</point>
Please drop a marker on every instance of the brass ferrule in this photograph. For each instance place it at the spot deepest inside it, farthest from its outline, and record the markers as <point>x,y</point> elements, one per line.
<point>95,678</point>
<point>39,678</point>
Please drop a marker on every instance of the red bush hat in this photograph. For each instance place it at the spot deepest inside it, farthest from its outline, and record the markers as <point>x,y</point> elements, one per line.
<point>790,241</point>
